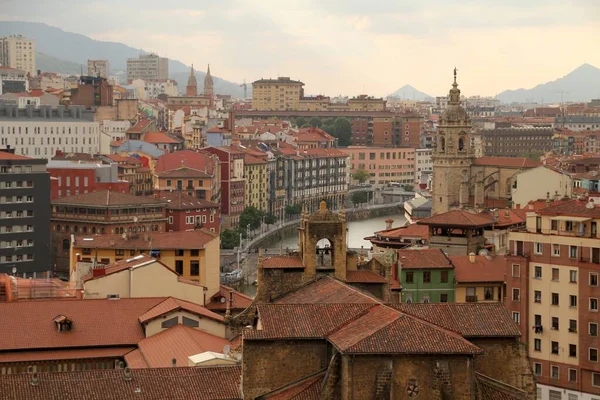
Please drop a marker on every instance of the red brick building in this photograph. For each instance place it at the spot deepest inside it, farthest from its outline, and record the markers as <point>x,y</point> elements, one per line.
<point>72,179</point>
<point>92,92</point>
<point>187,213</point>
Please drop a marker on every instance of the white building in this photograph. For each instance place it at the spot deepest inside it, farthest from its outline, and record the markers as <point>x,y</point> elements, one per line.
<point>148,67</point>
<point>537,183</point>
<point>111,131</point>
<point>423,165</point>
<point>18,52</point>
<point>13,80</point>
<point>40,132</point>
<point>152,89</point>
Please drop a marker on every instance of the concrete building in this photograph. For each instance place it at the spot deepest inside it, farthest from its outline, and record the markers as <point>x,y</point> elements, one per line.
<point>98,68</point>
<point>277,94</point>
<point>92,92</point>
<point>578,122</point>
<point>24,215</point>
<point>478,278</point>
<point>364,102</point>
<point>423,166</point>
<point>74,178</point>
<point>18,52</point>
<point>148,89</point>
<point>384,164</point>
<point>149,67</point>
<point>512,142</point>
<point>41,132</point>
<point>559,250</point>
<point>256,172</point>
<point>111,131</point>
<point>538,183</point>
<point>13,80</point>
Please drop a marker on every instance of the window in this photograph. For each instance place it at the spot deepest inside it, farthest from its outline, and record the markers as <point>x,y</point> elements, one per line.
<point>555,299</point>
<point>194,253</point>
<point>593,279</point>
<point>572,350</point>
<point>169,323</point>
<point>554,395</point>
<point>168,182</point>
<point>572,251</point>
<point>593,304</point>
<point>443,298</point>
<point>516,270</point>
<point>426,299</point>
<point>593,329</point>
<point>572,375</point>
<point>426,277</point>
<point>593,354</point>
<point>555,274</point>
<point>178,253</point>
<point>488,293</point>
<point>179,266</point>
<point>119,252</point>
<point>170,220</point>
<point>444,277</point>
<point>556,250</point>
<point>537,344</point>
<point>572,301</point>
<point>569,226</point>
<point>537,272</point>
<point>516,316</point>
<point>516,294</point>
<point>554,347</point>
<point>190,322</point>
<point>555,323</point>
<point>408,299</point>
<point>537,369</point>
<point>573,325</point>
<point>410,276</point>
<point>595,379</point>
<point>537,296</point>
<point>572,276</point>
<point>539,248</point>
<point>194,268</point>
<point>554,372</point>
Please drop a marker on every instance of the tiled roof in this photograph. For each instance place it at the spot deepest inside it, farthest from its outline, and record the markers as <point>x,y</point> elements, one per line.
<point>178,342</point>
<point>198,160</point>
<point>410,231</point>
<point>468,319</point>
<point>69,354</point>
<point>172,304</point>
<point>282,262</point>
<point>108,198</point>
<point>423,259</point>
<point>457,218</point>
<point>100,322</point>
<point>159,137</point>
<point>149,384</point>
<point>252,160</point>
<point>184,172</point>
<point>140,126</point>
<point>573,208</point>
<point>305,389</point>
<point>148,241</point>
<point>133,262</point>
<point>117,158</point>
<point>240,300</point>
<point>481,269</point>
<point>364,276</point>
<point>10,156</point>
<point>383,330</point>
<point>510,162</point>
<point>327,290</point>
<point>492,389</point>
<point>303,321</point>
<point>506,217</point>
<point>179,200</point>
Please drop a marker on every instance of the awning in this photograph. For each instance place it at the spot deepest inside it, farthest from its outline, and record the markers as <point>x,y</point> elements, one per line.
<point>567,218</point>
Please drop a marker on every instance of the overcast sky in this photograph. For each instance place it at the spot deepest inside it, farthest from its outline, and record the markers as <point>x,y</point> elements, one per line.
<point>347,46</point>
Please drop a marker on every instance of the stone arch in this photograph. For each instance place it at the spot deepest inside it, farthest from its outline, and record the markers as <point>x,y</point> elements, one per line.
<point>325,253</point>
<point>491,183</point>
<point>461,143</point>
<point>508,188</point>
<point>66,245</point>
<point>442,143</point>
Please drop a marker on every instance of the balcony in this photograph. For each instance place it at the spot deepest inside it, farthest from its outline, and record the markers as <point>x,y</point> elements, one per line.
<point>471,299</point>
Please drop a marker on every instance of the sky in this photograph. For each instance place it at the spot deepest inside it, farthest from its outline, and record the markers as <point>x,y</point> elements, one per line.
<point>347,46</point>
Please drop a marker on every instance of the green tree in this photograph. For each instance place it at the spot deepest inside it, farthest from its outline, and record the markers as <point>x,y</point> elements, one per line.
<point>359,197</point>
<point>316,122</point>
<point>291,210</point>
<point>270,219</point>
<point>300,121</point>
<point>343,131</point>
<point>409,188</point>
<point>361,176</point>
<point>229,239</point>
<point>250,216</point>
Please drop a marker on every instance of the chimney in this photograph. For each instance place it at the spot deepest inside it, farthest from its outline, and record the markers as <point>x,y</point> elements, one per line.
<point>388,223</point>
<point>547,199</point>
<point>174,362</point>
<point>127,374</point>
<point>472,257</point>
<point>35,380</point>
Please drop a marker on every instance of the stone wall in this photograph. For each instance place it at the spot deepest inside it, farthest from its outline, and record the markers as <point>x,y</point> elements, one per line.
<point>274,283</point>
<point>269,365</point>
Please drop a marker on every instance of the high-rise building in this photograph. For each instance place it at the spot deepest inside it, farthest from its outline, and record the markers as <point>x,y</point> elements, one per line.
<point>148,67</point>
<point>276,94</point>
<point>98,68</point>
<point>18,52</point>
<point>24,215</point>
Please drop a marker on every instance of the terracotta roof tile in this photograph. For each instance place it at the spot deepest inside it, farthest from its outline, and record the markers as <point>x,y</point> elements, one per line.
<point>178,342</point>
<point>468,319</point>
<point>4,155</point>
<point>197,239</point>
<point>327,290</point>
<point>514,162</point>
<point>108,198</point>
<point>304,389</point>
<point>573,208</point>
<point>133,262</point>
<point>364,276</point>
<point>198,160</point>
<point>172,304</point>
<point>240,300</point>
<point>159,138</point>
<point>184,172</point>
<point>282,262</point>
<point>410,231</point>
<point>423,259</point>
<point>140,126</point>
<point>150,384</point>
<point>492,389</point>
<point>69,354</point>
<point>457,218</point>
<point>480,270</point>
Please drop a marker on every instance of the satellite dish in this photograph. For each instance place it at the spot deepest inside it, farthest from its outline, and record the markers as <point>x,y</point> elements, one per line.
<point>226,349</point>
<point>223,300</point>
<point>239,356</point>
<point>14,270</point>
<point>483,252</point>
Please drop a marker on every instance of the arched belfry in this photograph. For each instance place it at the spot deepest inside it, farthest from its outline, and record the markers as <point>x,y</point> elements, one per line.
<point>452,155</point>
<point>322,242</point>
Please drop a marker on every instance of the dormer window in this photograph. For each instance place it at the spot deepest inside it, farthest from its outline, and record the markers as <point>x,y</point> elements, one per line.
<point>63,324</point>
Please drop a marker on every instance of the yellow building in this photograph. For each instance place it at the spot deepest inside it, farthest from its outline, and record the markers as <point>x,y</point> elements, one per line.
<point>256,171</point>
<point>366,103</point>
<point>316,103</point>
<point>276,94</point>
<point>194,255</point>
<point>478,278</point>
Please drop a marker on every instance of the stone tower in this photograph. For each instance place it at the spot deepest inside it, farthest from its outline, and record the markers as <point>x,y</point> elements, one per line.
<point>192,86</point>
<point>452,156</point>
<point>208,84</point>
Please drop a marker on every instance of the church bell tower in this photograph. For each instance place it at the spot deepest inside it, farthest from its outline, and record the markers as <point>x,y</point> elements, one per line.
<point>452,156</point>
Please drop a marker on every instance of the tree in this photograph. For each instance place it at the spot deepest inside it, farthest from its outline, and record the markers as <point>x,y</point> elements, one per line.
<point>229,239</point>
<point>300,121</point>
<point>343,131</point>
<point>270,219</point>
<point>295,209</point>
<point>361,176</point>
<point>408,187</point>
<point>316,122</point>
<point>251,216</point>
<point>359,197</point>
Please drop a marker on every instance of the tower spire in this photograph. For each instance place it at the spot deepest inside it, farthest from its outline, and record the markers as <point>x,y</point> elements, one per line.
<point>455,70</point>
<point>192,86</point>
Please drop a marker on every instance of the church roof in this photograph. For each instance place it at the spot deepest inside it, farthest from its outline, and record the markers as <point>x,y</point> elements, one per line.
<point>192,78</point>
<point>208,80</point>
<point>509,162</point>
<point>457,218</point>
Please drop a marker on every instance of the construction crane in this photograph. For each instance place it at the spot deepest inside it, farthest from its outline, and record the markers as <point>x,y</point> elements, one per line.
<point>245,86</point>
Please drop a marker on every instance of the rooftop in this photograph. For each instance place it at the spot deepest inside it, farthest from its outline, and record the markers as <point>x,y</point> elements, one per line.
<point>282,262</point>
<point>481,269</point>
<point>327,290</point>
<point>423,259</point>
<point>159,138</point>
<point>196,239</point>
<point>509,162</point>
<point>171,304</point>
<point>108,198</point>
<point>457,218</point>
<point>10,156</point>
<point>574,208</point>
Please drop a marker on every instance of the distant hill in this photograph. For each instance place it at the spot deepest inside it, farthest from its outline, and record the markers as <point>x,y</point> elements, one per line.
<point>408,92</point>
<point>582,84</point>
<point>61,51</point>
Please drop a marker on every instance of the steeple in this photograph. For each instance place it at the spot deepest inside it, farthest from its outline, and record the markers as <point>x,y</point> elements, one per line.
<point>208,84</point>
<point>192,86</point>
<point>454,97</point>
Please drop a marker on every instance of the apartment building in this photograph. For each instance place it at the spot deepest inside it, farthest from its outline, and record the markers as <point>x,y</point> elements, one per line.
<point>257,176</point>
<point>98,68</point>
<point>277,94</point>
<point>18,52</point>
<point>384,164</point>
<point>13,80</point>
<point>511,142</point>
<point>73,178</point>
<point>24,215</point>
<point>41,132</point>
<point>149,67</point>
<point>423,165</point>
<point>364,102</point>
<point>561,249</point>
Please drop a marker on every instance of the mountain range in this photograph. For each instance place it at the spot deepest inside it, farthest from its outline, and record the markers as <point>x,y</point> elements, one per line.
<point>66,52</point>
<point>408,92</point>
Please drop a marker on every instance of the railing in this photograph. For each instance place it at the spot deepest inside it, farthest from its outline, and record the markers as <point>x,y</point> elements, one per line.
<point>471,299</point>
